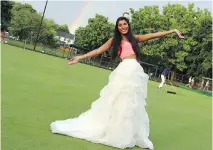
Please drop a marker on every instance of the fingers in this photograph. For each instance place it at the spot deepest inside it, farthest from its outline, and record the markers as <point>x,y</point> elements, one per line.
<point>178,31</point>
<point>179,34</point>
<point>182,37</point>
<point>71,61</point>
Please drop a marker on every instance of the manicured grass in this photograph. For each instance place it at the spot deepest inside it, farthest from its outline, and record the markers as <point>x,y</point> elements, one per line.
<point>38,89</point>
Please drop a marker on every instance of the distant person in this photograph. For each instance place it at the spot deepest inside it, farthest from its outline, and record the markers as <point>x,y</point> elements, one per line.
<point>166,73</point>
<point>3,34</point>
<point>43,48</point>
<point>193,82</point>
<point>150,75</point>
<point>190,82</point>
<point>206,88</point>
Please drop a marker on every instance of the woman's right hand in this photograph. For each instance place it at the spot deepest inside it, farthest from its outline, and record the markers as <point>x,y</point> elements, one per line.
<point>74,60</point>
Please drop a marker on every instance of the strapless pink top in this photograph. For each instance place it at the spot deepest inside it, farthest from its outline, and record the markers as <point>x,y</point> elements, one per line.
<point>126,50</point>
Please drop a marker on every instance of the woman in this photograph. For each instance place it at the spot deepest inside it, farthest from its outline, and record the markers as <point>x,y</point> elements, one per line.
<point>118,118</point>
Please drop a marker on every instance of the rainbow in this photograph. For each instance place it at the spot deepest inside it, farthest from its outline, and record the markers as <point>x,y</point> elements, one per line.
<point>74,25</point>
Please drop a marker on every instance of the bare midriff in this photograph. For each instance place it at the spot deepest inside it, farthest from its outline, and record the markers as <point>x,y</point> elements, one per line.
<point>133,56</point>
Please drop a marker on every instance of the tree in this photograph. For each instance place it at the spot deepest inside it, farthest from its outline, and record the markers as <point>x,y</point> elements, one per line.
<point>25,23</point>
<point>200,59</point>
<point>63,28</point>
<point>96,33</point>
<point>179,18</point>
<point>193,54</point>
<point>24,20</point>
<point>6,7</point>
<point>47,32</point>
<point>149,20</point>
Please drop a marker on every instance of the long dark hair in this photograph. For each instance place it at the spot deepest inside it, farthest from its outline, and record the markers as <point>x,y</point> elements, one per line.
<point>116,42</point>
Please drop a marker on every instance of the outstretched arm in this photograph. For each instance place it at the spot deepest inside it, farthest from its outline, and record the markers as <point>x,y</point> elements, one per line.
<point>93,53</point>
<point>141,38</point>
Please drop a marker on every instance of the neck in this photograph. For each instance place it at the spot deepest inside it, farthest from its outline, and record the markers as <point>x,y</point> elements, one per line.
<point>124,37</point>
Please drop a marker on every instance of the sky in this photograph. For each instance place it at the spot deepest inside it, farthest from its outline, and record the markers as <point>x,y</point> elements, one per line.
<point>77,13</point>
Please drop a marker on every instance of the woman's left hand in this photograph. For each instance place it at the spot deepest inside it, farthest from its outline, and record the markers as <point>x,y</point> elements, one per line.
<point>179,34</point>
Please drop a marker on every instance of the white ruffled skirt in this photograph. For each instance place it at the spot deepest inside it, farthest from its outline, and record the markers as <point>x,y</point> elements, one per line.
<point>118,118</point>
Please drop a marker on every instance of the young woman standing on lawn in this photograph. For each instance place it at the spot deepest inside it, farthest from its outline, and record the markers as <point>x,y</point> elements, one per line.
<point>118,118</point>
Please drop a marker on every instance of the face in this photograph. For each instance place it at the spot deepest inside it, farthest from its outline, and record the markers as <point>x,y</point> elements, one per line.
<point>123,27</point>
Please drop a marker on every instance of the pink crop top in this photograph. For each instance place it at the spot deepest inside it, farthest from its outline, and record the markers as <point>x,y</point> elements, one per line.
<point>126,50</point>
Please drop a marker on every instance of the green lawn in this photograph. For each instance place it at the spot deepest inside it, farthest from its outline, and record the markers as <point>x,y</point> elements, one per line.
<point>50,51</point>
<point>38,89</point>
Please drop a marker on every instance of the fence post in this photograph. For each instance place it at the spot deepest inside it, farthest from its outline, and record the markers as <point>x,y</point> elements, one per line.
<point>156,72</point>
<point>182,79</point>
<point>24,44</point>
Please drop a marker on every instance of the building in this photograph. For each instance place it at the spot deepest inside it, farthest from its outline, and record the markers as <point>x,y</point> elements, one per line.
<point>65,37</point>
